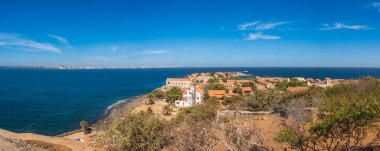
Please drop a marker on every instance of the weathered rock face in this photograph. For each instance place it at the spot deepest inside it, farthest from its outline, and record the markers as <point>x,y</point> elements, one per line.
<point>9,144</point>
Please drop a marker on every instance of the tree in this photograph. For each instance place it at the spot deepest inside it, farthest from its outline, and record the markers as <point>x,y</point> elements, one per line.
<point>84,125</point>
<point>247,84</point>
<point>216,86</point>
<point>212,80</point>
<point>233,100</point>
<point>173,94</point>
<point>264,101</point>
<point>238,90</point>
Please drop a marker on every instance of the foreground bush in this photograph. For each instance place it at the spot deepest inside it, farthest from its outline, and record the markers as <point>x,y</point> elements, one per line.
<point>134,131</point>
<point>347,115</point>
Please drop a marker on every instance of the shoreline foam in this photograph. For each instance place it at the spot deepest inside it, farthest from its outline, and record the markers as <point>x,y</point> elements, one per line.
<point>118,108</point>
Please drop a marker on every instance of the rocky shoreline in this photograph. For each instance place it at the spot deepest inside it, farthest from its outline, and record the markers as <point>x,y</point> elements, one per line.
<point>119,107</point>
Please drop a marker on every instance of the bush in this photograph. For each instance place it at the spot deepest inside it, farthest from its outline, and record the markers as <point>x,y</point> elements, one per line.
<point>347,115</point>
<point>216,86</point>
<point>286,136</point>
<point>158,93</point>
<point>135,131</point>
<point>200,112</point>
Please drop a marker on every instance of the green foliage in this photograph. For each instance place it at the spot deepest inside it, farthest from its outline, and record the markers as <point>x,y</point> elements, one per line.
<point>212,80</point>
<point>238,90</point>
<point>216,86</point>
<point>232,100</point>
<point>247,84</point>
<point>264,101</point>
<point>224,79</point>
<point>83,124</point>
<point>158,93</point>
<point>291,83</point>
<point>136,131</point>
<point>282,86</point>
<point>201,112</point>
<point>206,95</point>
<point>348,113</point>
<point>173,94</point>
<point>286,136</point>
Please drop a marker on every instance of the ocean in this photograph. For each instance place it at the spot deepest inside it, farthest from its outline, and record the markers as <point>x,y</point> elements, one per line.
<point>51,102</point>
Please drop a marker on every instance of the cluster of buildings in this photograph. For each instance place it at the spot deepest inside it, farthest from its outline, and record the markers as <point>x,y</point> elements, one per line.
<point>192,94</point>
<point>195,86</point>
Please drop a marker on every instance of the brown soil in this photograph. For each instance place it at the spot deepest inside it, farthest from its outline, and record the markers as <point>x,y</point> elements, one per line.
<point>46,141</point>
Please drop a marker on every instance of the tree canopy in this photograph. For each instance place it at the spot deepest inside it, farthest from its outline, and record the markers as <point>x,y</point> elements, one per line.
<point>173,94</point>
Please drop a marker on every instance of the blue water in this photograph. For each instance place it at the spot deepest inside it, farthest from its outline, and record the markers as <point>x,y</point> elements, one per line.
<point>52,102</point>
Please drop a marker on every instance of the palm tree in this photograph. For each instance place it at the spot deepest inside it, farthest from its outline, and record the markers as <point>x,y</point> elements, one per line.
<point>84,126</point>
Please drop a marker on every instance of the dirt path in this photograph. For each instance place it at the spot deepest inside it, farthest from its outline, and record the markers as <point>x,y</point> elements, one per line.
<point>72,144</point>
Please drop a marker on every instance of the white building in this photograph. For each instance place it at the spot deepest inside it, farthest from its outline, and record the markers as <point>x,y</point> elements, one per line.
<point>191,97</point>
<point>300,78</point>
<point>184,83</point>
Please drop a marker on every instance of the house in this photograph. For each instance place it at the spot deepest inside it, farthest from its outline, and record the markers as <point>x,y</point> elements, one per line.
<point>184,83</point>
<point>230,84</point>
<point>300,78</point>
<point>219,94</point>
<point>246,90</point>
<point>192,96</point>
<point>327,82</point>
<point>270,85</point>
<point>267,83</point>
<point>260,86</point>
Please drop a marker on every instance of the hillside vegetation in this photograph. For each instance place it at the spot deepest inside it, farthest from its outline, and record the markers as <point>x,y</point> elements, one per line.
<point>343,117</point>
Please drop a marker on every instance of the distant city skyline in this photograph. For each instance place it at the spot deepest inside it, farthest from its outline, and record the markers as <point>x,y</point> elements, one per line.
<point>170,33</point>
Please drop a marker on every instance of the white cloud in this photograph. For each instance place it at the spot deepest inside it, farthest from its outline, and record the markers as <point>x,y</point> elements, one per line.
<point>338,25</point>
<point>260,35</point>
<point>376,5</point>
<point>59,39</point>
<point>259,26</point>
<point>247,26</point>
<point>154,52</point>
<point>15,40</point>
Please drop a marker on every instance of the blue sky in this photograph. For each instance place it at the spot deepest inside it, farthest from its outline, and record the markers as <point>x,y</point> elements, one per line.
<point>259,33</point>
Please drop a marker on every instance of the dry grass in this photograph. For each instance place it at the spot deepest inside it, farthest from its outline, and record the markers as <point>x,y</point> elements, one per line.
<point>47,146</point>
